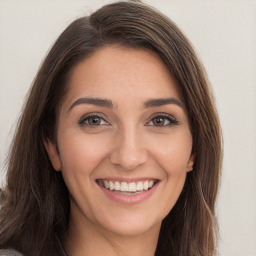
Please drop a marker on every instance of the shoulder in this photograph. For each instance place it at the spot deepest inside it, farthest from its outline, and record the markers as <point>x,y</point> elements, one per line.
<point>9,252</point>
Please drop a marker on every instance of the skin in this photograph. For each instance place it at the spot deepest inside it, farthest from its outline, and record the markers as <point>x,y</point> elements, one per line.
<point>127,143</point>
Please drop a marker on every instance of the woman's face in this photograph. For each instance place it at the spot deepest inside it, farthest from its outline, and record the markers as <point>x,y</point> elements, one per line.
<point>124,141</point>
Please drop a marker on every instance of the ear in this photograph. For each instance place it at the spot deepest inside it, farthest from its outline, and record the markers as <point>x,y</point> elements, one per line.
<point>191,163</point>
<point>53,154</point>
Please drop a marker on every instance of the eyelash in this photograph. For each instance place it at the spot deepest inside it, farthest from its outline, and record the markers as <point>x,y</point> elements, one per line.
<point>171,120</point>
<point>85,119</point>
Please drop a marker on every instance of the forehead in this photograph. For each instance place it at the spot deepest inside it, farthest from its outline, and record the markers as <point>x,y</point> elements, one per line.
<point>116,71</point>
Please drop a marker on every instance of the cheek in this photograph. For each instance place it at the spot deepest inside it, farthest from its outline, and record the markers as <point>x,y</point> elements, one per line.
<point>81,154</point>
<point>173,152</point>
<point>172,157</point>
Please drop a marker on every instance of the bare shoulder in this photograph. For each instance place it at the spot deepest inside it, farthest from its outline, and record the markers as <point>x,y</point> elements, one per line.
<point>9,252</point>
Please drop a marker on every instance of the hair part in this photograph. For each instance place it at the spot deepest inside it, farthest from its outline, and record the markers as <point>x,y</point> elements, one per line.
<point>37,210</point>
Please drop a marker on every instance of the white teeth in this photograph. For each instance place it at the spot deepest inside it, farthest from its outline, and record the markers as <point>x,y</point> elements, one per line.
<point>124,186</point>
<point>111,185</point>
<point>140,186</point>
<point>150,183</point>
<point>106,185</point>
<point>132,187</point>
<point>117,186</point>
<point>127,187</point>
<point>145,185</point>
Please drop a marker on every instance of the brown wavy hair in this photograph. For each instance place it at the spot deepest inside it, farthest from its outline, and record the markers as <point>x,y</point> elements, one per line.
<point>35,217</point>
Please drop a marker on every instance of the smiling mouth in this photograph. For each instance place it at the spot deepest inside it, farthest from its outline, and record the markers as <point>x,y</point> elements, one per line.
<point>127,188</point>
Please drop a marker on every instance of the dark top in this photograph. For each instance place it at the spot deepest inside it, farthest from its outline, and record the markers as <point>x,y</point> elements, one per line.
<point>9,252</point>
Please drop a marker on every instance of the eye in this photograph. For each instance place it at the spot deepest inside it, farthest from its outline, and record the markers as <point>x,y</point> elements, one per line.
<point>162,120</point>
<point>93,120</point>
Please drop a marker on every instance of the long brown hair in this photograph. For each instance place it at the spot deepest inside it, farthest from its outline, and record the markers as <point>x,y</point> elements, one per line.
<point>35,216</point>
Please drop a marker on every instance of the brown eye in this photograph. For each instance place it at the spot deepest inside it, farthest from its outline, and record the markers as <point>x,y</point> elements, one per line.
<point>93,121</point>
<point>163,121</point>
<point>159,121</point>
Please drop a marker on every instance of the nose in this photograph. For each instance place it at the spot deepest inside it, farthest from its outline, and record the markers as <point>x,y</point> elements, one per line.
<point>129,150</point>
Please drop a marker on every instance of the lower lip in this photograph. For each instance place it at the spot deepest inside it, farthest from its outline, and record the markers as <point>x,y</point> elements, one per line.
<point>129,199</point>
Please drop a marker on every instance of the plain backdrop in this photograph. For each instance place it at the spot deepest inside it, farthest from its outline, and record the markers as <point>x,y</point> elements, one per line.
<point>224,35</point>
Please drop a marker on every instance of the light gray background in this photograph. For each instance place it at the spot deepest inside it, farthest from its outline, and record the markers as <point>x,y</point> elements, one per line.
<point>224,35</point>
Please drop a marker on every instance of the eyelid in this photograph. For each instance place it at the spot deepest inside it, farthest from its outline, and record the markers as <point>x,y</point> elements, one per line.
<point>93,114</point>
<point>173,120</point>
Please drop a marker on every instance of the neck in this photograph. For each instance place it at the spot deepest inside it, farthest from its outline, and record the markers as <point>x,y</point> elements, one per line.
<point>86,239</point>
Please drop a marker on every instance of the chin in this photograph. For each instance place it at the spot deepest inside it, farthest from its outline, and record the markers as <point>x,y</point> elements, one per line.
<point>130,224</point>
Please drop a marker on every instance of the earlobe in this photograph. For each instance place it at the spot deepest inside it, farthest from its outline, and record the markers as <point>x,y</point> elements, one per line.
<point>191,163</point>
<point>53,154</point>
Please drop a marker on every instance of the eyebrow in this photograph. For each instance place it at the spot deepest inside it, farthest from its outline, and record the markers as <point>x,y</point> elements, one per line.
<point>94,101</point>
<point>162,101</point>
<point>108,103</point>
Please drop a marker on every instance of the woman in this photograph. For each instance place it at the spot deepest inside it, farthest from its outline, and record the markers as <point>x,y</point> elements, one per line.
<point>118,150</point>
